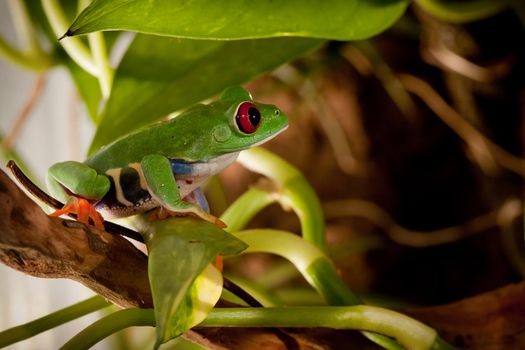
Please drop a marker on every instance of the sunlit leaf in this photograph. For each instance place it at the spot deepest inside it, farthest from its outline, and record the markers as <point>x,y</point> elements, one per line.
<point>178,251</point>
<point>198,302</point>
<point>238,19</point>
<point>159,75</point>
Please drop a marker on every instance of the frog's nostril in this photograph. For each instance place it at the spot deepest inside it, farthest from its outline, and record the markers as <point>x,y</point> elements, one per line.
<point>277,112</point>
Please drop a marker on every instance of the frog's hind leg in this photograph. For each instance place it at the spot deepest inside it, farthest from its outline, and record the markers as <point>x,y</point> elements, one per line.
<point>163,188</point>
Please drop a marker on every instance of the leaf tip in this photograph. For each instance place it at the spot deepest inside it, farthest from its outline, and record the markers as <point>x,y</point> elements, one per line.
<point>66,34</point>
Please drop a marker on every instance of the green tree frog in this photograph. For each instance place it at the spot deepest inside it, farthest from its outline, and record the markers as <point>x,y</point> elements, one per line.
<point>163,166</point>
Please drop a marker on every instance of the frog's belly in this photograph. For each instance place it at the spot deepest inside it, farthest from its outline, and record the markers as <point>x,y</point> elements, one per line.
<point>128,195</point>
<point>136,199</point>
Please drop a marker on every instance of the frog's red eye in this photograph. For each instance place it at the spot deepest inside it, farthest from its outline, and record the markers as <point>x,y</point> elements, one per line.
<point>247,117</point>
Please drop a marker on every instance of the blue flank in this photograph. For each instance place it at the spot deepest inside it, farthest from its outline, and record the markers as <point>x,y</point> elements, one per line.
<point>180,167</point>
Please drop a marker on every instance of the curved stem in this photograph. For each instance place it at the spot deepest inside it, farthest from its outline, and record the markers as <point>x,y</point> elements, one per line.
<point>37,63</point>
<point>463,11</point>
<point>316,268</point>
<point>407,331</point>
<point>410,333</point>
<point>30,329</point>
<point>73,46</point>
<point>108,325</point>
<point>240,212</point>
<point>100,55</point>
<point>295,193</point>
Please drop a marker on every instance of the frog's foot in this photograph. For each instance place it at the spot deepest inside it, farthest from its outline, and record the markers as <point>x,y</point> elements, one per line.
<point>84,210</point>
<point>218,263</point>
<point>162,213</point>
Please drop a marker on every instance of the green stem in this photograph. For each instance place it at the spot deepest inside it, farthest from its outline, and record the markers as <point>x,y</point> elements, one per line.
<point>240,212</point>
<point>311,262</point>
<point>105,76</point>
<point>73,46</point>
<point>295,192</point>
<point>30,329</point>
<point>407,331</point>
<point>463,11</point>
<point>108,325</point>
<point>100,56</point>
<point>37,63</point>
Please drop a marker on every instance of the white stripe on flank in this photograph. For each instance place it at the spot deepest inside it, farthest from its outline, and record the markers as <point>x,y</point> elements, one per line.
<point>115,174</point>
<point>139,171</point>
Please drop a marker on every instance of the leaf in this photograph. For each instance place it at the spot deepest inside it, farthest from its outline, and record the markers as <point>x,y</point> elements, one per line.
<point>178,251</point>
<point>200,300</point>
<point>209,19</point>
<point>159,75</point>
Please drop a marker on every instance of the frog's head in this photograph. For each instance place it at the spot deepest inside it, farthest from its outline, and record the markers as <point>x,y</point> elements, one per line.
<point>249,123</point>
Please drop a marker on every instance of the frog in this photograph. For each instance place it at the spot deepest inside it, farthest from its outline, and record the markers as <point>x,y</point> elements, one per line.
<point>163,166</point>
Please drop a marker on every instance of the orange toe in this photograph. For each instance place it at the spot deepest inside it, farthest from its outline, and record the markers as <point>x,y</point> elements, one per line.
<point>218,263</point>
<point>84,211</point>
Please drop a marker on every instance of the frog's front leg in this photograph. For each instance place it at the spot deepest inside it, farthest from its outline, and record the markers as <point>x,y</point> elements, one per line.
<point>163,188</point>
<point>78,186</point>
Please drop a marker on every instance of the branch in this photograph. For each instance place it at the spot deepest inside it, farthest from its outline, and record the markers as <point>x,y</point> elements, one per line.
<point>43,246</point>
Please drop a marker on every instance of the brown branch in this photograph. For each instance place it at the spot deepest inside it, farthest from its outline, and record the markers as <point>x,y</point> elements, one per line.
<point>494,320</point>
<point>53,203</point>
<point>43,246</point>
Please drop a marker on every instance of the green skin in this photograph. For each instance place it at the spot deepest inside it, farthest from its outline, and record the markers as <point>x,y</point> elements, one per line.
<point>206,134</point>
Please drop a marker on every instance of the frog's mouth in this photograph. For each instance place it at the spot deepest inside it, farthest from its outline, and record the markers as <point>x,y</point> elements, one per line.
<point>231,150</point>
<point>269,138</point>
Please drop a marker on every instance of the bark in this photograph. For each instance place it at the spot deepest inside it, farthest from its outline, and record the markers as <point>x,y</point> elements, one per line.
<point>43,246</point>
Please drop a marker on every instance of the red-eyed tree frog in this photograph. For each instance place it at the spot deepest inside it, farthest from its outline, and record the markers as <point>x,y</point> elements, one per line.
<point>163,166</point>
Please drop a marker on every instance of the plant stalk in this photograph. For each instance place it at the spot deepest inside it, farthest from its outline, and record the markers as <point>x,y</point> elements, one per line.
<point>73,46</point>
<point>30,329</point>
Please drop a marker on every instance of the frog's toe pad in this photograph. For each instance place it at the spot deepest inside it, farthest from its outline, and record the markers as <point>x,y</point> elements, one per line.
<point>84,211</point>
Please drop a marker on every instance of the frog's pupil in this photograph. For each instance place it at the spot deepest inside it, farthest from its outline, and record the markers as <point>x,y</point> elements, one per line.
<point>254,115</point>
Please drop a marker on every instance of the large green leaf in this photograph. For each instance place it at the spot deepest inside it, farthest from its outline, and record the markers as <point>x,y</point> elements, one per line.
<point>240,19</point>
<point>159,75</point>
<point>178,251</point>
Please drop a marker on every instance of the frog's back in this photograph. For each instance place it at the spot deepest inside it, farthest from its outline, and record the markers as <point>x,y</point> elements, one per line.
<point>173,139</point>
